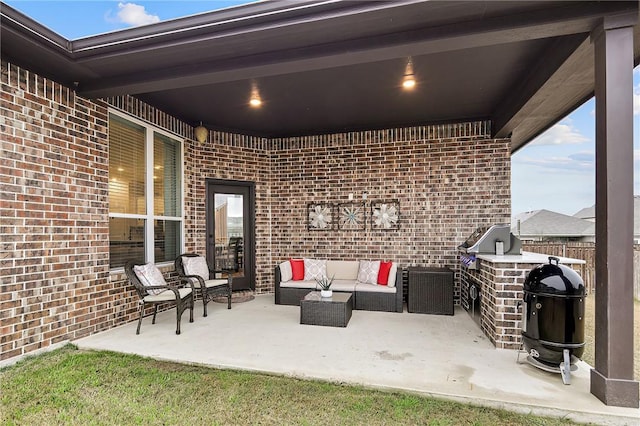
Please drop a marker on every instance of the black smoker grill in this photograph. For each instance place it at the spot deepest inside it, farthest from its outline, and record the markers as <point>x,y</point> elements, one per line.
<point>553,318</point>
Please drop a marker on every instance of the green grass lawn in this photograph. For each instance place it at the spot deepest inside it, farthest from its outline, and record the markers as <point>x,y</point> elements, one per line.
<point>589,334</point>
<point>70,386</point>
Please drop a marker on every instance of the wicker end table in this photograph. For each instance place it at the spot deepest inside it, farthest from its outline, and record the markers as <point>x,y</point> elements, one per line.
<point>430,290</point>
<point>334,311</point>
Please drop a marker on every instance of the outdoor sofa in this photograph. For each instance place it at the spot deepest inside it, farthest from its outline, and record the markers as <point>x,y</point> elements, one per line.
<point>371,290</point>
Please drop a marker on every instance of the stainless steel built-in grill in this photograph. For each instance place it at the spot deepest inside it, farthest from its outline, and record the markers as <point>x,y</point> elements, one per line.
<point>496,239</point>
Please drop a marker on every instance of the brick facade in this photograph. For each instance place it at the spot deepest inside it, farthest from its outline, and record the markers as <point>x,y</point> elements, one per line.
<point>501,287</point>
<point>55,230</point>
<point>56,283</point>
<point>501,292</point>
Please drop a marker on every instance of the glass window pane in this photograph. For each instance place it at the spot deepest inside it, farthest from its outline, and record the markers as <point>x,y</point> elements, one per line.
<point>126,167</point>
<point>167,240</point>
<point>229,232</point>
<point>126,241</point>
<point>166,176</point>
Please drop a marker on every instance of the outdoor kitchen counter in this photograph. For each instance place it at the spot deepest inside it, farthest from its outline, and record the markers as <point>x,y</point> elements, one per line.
<point>497,289</point>
<point>527,257</point>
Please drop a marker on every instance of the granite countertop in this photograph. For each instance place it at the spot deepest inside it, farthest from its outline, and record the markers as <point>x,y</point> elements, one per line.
<point>527,257</point>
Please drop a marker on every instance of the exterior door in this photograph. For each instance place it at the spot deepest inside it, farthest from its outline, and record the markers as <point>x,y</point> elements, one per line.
<point>231,230</point>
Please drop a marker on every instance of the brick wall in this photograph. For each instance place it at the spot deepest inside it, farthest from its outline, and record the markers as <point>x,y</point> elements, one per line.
<point>501,292</point>
<point>53,187</point>
<point>56,283</point>
<point>448,179</point>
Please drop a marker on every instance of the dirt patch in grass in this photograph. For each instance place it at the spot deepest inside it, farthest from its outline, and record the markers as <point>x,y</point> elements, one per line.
<point>589,334</point>
<point>70,386</point>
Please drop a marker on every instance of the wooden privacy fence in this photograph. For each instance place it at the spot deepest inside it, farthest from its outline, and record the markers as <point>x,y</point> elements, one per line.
<point>586,252</point>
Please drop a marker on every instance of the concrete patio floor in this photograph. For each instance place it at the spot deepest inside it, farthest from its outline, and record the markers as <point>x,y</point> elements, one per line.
<point>443,356</point>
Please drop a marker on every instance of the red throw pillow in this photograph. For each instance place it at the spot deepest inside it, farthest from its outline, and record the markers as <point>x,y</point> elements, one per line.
<point>383,272</point>
<point>297,268</point>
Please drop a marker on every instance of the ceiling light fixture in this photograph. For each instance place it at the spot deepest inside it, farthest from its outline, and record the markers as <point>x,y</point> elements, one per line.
<point>201,133</point>
<point>409,79</point>
<point>255,101</point>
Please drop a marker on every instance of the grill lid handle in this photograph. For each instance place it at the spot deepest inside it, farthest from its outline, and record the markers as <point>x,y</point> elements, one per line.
<point>554,259</point>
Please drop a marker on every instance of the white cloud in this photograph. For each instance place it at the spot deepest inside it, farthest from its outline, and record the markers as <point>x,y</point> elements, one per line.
<point>636,100</point>
<point>581,162</point>
<point>134,15</point>
<point>563,133</point>
<point>584,157</point>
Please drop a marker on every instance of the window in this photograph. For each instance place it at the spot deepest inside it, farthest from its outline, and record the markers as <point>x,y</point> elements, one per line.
<point>145,193</point>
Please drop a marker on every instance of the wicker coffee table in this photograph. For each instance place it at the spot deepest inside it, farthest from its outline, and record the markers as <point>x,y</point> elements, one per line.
<point>334,311</point>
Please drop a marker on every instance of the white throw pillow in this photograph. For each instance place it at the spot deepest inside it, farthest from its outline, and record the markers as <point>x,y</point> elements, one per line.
<point>196,266</point>
<point>150,275</point>
<point>368,271</point>
<point>392,275</point>
<point>315,269</point>
<point>286,273</point>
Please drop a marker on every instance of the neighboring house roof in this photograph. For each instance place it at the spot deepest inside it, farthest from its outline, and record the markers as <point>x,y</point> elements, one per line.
<point>545,223</point>
<point>589,213</point>
<point>337,66</point>
<point>586,213</point>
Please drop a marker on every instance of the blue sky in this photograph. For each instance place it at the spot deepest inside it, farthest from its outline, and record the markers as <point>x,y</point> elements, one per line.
<point>554,172</point>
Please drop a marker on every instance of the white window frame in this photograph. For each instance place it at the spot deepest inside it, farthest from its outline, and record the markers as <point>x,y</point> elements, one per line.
<point>150,217</point>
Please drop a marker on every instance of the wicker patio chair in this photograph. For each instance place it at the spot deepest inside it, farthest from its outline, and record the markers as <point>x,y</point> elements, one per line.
<point>193,268</point>
<point>153,289</point>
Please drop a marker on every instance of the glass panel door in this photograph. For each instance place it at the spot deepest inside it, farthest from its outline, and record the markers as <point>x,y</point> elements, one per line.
<point>230,230</point>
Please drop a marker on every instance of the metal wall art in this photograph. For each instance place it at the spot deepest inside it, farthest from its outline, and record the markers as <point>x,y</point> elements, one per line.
<point>320,216</point>
<point>351,216</point>
<point>385,215</point>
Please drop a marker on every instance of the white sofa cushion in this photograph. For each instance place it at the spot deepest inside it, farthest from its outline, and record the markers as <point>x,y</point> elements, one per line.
<point>150,275</point>
<point>315,269</point>
<point>286,273</point>
<point>344,285</point>
<point>368,271</point>
<point>343,269</point>
<point>299,284</point>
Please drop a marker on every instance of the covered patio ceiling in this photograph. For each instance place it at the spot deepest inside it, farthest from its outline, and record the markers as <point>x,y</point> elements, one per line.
<point>334,66</point>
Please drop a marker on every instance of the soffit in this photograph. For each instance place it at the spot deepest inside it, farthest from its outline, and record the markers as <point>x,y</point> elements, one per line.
<point>330,66</point>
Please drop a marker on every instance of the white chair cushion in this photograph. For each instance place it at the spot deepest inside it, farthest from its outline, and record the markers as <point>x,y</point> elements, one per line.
<point>150,275</point>
<point>315,269</point>
<point>215,283</point>
<point>286,273</point>
<point>167,295</point>
<point>196,266</point>
<point>368,271</point>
